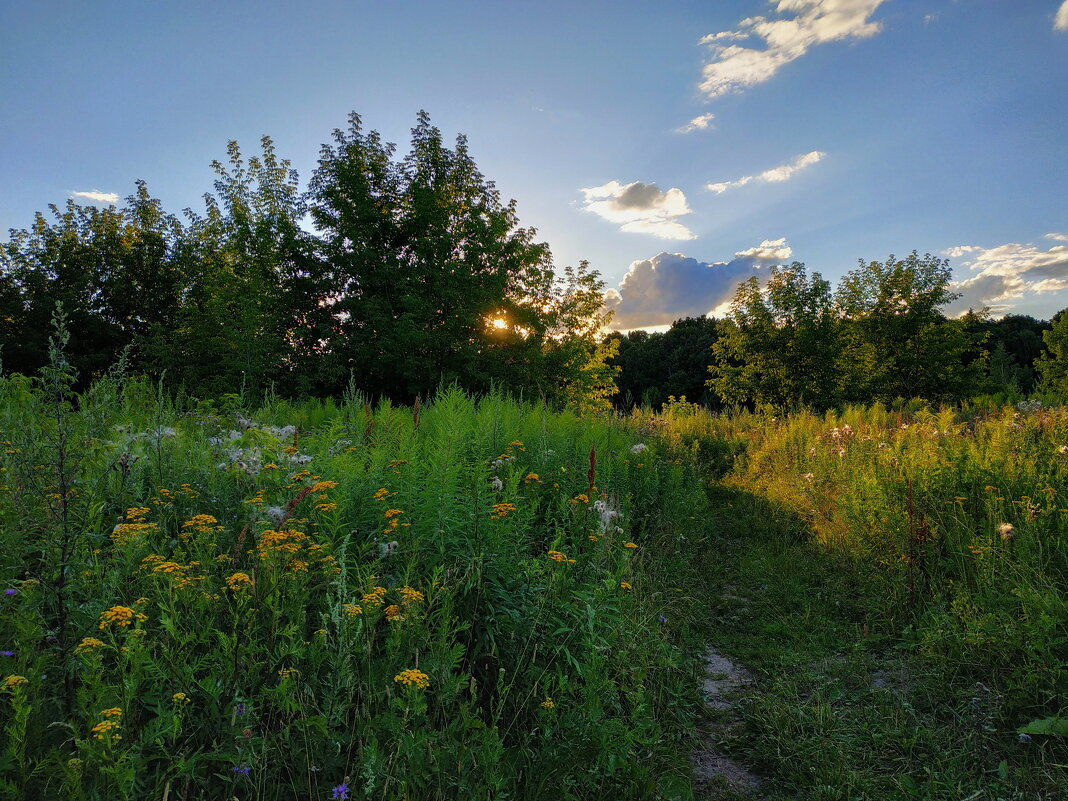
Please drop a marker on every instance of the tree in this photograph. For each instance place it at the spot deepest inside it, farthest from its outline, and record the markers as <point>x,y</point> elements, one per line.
<point>777,346</point>
<point>897,344</point>
<point>1053,364</point>
<point>114,271</point>
<point>433,279</point>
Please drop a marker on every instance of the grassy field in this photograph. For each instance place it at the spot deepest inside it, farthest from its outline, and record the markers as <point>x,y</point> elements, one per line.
<point>487,599</point>
<point>897,583</point>
<point>327,600</point>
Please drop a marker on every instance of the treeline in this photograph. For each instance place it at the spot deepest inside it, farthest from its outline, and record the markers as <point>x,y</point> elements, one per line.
<point>389,275</point>
<point>881,335</point>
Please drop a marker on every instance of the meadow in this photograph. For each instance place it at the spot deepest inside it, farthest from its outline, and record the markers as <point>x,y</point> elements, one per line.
<point>468,599</point>
<point>896,578</point>
<point>487,598</point>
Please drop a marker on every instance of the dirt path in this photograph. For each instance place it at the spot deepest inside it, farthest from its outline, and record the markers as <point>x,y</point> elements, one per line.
<point>717,776</point>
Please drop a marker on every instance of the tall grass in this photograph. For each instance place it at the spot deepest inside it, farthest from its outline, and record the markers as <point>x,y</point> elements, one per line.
<point>472,599</point>
<point>957,522</point>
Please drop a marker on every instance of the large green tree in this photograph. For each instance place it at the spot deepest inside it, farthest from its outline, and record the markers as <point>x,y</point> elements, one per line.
<point>897,343</point>
<point>434,280</point>
<point>1053,364</point>
<point>116,271</point>
<point>778,344</point>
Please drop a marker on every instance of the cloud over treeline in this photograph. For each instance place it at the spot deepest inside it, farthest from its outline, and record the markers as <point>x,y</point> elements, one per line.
<point>96,196</point>
<point>1006,273</point>
<point>669,286</point>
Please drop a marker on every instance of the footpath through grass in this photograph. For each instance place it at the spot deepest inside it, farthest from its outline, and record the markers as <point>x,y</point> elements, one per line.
<point>892,662</point>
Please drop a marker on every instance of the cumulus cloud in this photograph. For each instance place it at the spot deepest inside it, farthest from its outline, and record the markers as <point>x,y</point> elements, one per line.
<point>700,123</point>
<point>1057,237</point>
<point>784,172</point>
<point>96,196</point>
<point>1005,273</point>
<point>639,207</point>
<point>802,25</point>
<point>1060,22</point>
<point>668,286</point>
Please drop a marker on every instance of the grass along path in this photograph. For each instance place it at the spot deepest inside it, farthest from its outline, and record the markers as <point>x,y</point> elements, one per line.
<point>833,711</point>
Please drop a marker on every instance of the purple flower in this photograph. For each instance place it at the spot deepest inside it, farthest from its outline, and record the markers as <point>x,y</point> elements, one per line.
<point>242,769</point>
<point>7,653</point>
<point>663,619</point>
<point>341,791</point>
<point>9,593</point>
<point>240,709</point>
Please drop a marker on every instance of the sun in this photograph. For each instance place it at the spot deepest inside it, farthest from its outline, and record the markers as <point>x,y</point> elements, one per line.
<point>500,323</point>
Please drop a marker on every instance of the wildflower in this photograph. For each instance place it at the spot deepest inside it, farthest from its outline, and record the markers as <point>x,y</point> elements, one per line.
<point>105,729</point>
<point>89,643</point>
<point>581,498</point>
<point>381,494</point>
<point>238,580</point>
<point>119,615</point>
<point>180,698</point>
<point>636,449</point>
<point>10,592</point>
<point>496,484</point>
<point>410,596</point>
<point>352,609</point>
<point>11,682</point>
<point>662,618</point>
<point>532,477</point>
<point>502,510</point>
<point>593,538</point>
<point>341,791</point>
<point>7,653</point>
<point>288,673</point>
<point>413,678</point>
<point>1062,450</point>
<point>113,712</point>
<point>547,703</point>
<point>270,466</point>
<point>556,556</point>
<point>240,708</point>
<point>325,507</point>
<point>625,585</point>
<point>387,549</point>
<point>242,769</point>
<point>630,545</point>
<point>393,612</point>
<point>1005,530</point>
<point>390,513</point>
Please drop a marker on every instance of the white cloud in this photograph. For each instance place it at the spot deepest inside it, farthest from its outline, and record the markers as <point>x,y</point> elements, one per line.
<point>1006,273</point>
<point>1060,22</point>
<point>784,172</point>
<point>1057,237</point>
<point>640,208</point>
<point>700,123</point>
<point>669,286</point>
<point>803,25</point>
<point>96,196</point>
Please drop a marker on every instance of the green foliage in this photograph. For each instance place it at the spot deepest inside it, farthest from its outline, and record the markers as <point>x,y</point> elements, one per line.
<point>777,346</point>
<point>897,344</point>
<point>897,582</point>
<point>1053,365</point>
<point>400,287</point>
<point>880,337</point>
<point>215,602</point>
<point>654,366</point>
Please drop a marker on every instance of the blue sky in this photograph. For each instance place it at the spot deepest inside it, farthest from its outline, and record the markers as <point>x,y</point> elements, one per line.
<point>678,146</point>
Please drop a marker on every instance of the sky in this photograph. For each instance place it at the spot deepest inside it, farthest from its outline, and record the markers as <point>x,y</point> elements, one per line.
<point>679,147</point>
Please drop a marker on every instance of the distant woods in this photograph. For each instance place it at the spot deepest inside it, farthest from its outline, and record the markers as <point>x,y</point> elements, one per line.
<point>416,275</point>
<point>791,341</point>
<point>397,275</point>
